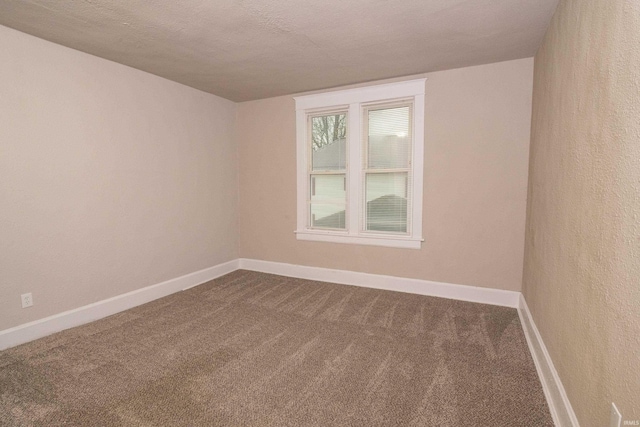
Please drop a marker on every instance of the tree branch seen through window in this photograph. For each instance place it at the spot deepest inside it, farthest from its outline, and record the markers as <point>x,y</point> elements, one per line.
<point>328,129</point>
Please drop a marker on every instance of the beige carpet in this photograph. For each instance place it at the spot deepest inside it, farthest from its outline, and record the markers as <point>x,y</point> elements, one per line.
<point>252,349</point>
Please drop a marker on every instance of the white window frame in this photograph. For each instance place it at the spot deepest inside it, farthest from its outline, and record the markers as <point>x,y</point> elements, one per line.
<point>354,101</point>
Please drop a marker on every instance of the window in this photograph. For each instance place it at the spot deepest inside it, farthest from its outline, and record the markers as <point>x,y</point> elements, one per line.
<point>360,159</point>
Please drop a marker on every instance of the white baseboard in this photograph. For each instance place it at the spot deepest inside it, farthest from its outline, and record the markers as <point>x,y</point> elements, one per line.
<point>559,405</point>
<point>88,313</point>
<point>390,283</point>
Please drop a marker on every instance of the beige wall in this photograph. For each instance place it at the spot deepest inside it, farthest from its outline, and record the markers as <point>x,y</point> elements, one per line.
<point>477,145</point>
<point>582,257</point>
<point>111,179</point>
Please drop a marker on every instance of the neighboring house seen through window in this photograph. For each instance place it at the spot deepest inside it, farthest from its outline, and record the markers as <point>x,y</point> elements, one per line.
<point>360,154</point>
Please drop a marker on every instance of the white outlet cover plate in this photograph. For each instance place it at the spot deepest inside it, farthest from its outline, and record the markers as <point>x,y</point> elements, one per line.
<point>27,300</point>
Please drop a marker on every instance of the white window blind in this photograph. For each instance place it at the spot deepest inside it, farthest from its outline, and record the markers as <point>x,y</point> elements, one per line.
<point>387,168</point>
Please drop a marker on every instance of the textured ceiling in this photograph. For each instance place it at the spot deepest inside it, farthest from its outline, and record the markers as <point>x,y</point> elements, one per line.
<point>251,49</point>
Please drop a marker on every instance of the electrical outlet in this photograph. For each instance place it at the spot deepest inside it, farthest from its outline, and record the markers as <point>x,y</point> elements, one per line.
<point>27,300</point>
<point>615,418</point>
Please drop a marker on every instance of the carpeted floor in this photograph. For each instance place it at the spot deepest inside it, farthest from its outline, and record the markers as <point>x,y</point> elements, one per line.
<point>252,349</point>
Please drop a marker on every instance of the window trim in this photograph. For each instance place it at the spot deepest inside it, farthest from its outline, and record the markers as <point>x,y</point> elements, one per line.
<point>353,101</point>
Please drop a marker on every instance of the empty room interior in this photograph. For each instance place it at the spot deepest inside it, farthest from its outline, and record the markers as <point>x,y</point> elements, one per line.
<point>297,213</point>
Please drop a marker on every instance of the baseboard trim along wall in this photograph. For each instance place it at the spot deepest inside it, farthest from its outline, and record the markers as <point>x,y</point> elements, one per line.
<point>97,310</point>
<point>559,405</point>
<point>390,283</point>
<point>88,313</point>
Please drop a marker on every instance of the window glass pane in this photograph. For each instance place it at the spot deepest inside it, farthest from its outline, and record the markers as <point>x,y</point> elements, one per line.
<point>328,142</point>
<point>389,139</point>
<point>328,188</point>
<point>386,202</point>
<point>325,215</point>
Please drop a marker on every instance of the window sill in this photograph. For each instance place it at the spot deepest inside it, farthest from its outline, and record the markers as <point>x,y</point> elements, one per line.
<point>371,240</point>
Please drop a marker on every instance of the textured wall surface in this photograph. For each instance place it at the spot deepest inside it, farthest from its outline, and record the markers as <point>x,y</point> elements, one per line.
<point>582,256</point>
<point>477,129</point>
<point>111,179</point>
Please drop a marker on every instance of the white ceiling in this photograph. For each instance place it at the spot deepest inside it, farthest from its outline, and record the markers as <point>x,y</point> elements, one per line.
<point>251,49</point>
